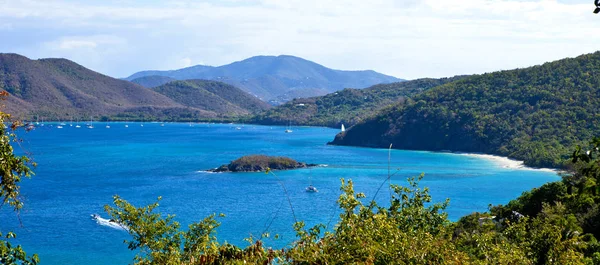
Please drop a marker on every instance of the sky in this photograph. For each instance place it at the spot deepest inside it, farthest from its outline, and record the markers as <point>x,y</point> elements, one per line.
<point>408,39</point>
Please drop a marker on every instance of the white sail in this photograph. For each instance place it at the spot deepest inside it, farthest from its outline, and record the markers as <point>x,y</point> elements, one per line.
<point>343,128</point>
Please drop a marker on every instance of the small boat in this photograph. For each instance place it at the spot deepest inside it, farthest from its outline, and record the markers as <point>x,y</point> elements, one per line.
<point>162,125</point>
<point>288,129</point>
<point>62,124</point>
<point>77,126</point>
<point>126,126</point>
<point>109,223</point>
<point>107,126</point>
<point>91,124</point>
<point>310,187</point>
<point>59,127</point>
<point>238,128</point>
<point>343,128</point>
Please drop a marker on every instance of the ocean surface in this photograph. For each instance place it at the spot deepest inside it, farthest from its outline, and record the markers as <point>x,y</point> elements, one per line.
<point>79,170</point>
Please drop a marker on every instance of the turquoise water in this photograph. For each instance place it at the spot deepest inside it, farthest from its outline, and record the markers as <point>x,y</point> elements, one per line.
<point>81,169</point>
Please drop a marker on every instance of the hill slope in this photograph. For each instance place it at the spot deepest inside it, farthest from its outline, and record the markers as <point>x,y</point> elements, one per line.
<point>271,77</point>
<point>59,88</point>
<point>152,80</point>
<point>534,114</point>
<point>212,96</point>
<point>348,106</point>
<point>56,89</point>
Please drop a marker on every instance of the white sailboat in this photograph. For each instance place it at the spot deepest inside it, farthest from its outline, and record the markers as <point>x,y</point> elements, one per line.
<point>77,124</point>
<point>343,128</point>
<point>288,129</point>
<point>310,187</point>
<point>91,125</point>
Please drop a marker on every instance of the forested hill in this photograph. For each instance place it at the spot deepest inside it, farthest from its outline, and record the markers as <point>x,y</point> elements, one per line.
<point>534,114</point>
<point>273,78</point>
<point>348,106</point>
<point>212,96</point>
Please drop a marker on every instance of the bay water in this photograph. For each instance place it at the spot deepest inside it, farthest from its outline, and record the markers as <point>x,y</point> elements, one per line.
<point>80,169</point>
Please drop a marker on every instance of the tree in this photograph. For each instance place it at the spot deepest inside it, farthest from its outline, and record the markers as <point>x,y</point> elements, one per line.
<point>12,170</point>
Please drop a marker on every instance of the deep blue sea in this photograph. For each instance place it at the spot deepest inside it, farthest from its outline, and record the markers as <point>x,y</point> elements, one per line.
<point>79,170</point>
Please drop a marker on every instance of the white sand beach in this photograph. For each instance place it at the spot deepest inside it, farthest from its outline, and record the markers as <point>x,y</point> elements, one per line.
<point>506,162</point>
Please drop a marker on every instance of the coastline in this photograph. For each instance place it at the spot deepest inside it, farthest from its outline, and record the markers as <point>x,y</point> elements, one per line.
<point>508,163</point>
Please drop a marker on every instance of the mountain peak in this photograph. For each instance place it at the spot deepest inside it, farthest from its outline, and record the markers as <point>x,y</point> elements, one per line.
<point>270,76</point>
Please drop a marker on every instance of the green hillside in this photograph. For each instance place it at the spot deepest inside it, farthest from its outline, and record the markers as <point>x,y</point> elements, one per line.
<point>533,114</point>
<point>212,96</point>
<point>348,106</point>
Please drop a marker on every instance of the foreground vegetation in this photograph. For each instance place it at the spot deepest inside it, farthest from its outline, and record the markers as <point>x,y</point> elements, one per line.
<point>12,170</point>
<point>555,224</point>
<point>534,114</point>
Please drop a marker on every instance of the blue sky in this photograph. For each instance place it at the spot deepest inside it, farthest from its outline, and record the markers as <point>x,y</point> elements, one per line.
<point>407,39</point>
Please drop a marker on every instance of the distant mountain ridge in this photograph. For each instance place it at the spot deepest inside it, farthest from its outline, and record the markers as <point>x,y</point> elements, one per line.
<point>272,77</point>
<point>61,89</point>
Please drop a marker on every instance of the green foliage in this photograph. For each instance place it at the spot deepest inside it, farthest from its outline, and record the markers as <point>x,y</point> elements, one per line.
<point>348,106</point>
<point>12,169</point>
<point>534,114</point>
<point>562,211</point>
<point>10,254</point>
<point>412,230</point>
<point>160,240</point>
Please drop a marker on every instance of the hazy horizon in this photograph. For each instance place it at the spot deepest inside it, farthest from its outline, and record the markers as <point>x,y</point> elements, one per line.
<point>408,39</point>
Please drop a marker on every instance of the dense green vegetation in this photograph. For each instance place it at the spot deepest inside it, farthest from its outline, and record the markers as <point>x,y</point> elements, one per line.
<point>253,163</point>
<point>348,106</point>
<point>557,224</point>
<point>275,78</point>
<point>12,170</point>
<point>533,114</point>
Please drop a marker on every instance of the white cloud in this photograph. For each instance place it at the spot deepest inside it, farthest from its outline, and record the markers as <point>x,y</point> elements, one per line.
<point>404,38</point>
<point>76,44</point>
<point>185,62</point>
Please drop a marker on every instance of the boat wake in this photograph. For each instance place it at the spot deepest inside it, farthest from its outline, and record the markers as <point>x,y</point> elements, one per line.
<point>109,223</point>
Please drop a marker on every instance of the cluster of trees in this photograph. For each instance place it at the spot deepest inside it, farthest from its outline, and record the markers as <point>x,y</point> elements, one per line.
<point>348,106</point>
<point>534,114</point>
<point>261,163</point>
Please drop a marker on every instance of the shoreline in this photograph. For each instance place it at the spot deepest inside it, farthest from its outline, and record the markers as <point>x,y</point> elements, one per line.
<point>507,163</point>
